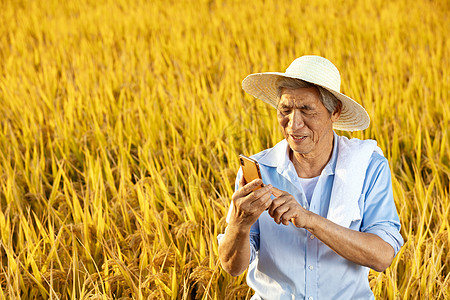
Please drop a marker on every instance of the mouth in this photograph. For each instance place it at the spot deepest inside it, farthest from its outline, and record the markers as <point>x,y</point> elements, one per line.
<point>298,138</point>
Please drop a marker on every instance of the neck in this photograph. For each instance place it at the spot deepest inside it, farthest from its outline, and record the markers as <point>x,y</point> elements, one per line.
<point>311,165</point>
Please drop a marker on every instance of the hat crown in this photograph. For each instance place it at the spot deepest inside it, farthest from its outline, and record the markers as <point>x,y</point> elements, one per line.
<point>317,70</point>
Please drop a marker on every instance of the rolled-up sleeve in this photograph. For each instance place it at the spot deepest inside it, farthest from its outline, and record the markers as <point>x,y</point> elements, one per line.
<point>380,214</point>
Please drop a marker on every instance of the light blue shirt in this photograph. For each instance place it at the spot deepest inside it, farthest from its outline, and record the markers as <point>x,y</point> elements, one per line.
<point>288,262</point>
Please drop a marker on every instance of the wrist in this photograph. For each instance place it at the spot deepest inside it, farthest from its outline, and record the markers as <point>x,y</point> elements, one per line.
<point>238,229</point>
<point>310,218</point>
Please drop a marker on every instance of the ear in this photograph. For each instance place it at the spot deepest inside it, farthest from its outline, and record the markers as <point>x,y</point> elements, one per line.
<point>337,112</point>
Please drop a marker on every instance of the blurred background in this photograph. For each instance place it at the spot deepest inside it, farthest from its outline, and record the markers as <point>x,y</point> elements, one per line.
<point>121,123</point>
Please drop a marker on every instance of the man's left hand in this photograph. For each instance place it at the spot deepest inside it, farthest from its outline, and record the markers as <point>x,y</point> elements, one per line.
<point>285,208</point>
<point>366,249</point>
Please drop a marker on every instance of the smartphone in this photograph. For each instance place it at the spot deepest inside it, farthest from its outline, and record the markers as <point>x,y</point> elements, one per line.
<point>250,169</point>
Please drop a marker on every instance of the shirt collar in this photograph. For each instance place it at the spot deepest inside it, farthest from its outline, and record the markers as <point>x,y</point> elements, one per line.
<point>278,156</point>
<point>330,167</point>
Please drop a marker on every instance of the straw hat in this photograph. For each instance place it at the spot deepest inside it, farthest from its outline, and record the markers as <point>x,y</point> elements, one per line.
<point>319,71</point>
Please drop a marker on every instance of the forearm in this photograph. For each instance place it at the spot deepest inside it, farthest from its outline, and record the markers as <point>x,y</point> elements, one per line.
<point>359,247</point>
<point>234,250</point>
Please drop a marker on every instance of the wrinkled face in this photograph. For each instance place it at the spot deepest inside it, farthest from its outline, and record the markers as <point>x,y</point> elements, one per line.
<point>305,122</point>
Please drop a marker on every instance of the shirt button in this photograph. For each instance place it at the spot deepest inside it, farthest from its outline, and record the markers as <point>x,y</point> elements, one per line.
<point>311,237</point>
<point>311,268</point>
<point>310,298</point>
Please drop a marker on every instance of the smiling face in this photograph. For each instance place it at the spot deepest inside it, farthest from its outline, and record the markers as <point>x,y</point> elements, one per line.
<point>306,123</point>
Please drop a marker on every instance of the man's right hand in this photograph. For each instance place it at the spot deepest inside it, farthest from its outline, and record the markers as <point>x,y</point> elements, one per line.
<point>248,205</point>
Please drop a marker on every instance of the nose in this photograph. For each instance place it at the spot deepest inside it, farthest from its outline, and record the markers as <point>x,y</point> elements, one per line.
<point>296,120</point>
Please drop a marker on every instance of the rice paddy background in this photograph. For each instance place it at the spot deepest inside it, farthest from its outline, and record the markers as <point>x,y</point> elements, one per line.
<point>121,123</point>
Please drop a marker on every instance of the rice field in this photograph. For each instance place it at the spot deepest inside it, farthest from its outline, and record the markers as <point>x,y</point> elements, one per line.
<point>121,123</point>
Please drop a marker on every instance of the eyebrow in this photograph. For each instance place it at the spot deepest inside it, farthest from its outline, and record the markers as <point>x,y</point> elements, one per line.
<point>284,105</point>
<point>305,106</point>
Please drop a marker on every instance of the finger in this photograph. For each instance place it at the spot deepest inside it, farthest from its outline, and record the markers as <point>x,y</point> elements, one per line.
<point>277,192</point>
<point>260,199</point>
<point>268,203</point>
<point>260,204</point>
<point>248,188</point>
<point>279,211</point>
<point>266,190</point>
<point>242,182</point>
<point>290,215</point>
<point>263,201</point>
<point>254,208</point>
<point>256,182</point>
<point>254,201</point>
<point>275,204</point>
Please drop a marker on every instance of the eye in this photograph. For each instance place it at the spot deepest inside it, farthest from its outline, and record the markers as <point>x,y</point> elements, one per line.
<point>308,111</point>
<point>284,110</point>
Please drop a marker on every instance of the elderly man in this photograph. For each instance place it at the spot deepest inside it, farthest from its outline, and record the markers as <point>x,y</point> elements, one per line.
<point>333,216</point>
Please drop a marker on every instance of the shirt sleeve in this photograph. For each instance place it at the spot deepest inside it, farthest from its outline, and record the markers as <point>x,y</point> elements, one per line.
<point>254,231</point>
<point>379,213</point>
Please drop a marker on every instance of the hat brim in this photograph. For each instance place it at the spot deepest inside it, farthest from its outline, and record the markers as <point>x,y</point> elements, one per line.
<point>264,87</point>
